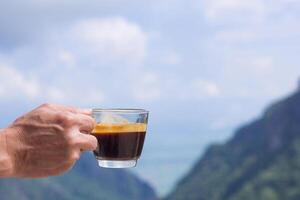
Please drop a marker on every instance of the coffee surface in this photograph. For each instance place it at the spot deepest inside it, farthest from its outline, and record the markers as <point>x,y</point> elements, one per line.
<point>119,141</point>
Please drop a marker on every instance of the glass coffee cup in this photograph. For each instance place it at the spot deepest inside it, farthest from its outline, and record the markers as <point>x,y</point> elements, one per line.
<point>120,134</point>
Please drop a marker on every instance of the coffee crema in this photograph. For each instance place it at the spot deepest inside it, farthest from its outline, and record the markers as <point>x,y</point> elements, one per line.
<point>119,128</point>
<point>119,141</point>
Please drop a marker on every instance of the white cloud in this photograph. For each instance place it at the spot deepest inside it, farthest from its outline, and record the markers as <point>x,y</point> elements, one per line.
<point>13,84</point>
<point>94,96</point>
<point>234,36</point>
<point>107,51</point>
<point>16,85</point>
<point>60,93</point>
<point>220,9</point>
<point>263,64</point>
<point>253,12</point>
<point>251,76</point>
<point>109,39</point>
<point>172,58</point>
<point>67,58</point>
<point>55,94</point>
<point>147,87</point>
<point>204,88</point>
<point>220,124</point>
<point>285,30</point>
<point>256,66</point>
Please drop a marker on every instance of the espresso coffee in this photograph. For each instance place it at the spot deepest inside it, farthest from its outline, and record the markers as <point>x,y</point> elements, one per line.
<point>119,141</point>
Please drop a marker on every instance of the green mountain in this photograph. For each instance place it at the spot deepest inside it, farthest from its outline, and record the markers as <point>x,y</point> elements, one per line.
<point>85,181</point>
<point>261,161</point>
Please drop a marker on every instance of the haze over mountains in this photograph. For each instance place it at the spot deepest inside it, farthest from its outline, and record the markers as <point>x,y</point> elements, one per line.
<point>85,181</point>
<point>261,161</point>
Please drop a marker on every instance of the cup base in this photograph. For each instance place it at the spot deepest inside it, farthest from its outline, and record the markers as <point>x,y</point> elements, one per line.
<point>117,163</point>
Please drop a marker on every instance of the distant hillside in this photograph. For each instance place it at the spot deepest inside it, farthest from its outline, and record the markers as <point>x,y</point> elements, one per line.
<point>261,162</point>
<point>85,182</point>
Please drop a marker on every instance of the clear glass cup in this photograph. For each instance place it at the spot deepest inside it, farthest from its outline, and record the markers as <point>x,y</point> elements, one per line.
<point>120,134</point>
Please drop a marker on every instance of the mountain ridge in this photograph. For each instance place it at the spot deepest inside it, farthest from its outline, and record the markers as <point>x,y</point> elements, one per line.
<point>85,181</point>
<point>243,164</point>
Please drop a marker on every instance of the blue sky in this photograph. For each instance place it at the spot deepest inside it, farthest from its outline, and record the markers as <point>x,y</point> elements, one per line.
<point>202,68</point>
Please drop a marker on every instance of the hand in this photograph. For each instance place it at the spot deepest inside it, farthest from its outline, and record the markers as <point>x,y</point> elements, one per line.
<point>46,141</point>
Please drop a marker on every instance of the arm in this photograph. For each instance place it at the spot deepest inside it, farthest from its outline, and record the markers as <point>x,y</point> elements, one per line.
<point>5,161</point>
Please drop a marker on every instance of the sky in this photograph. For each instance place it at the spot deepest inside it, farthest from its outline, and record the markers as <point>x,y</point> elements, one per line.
<point>202,68</point>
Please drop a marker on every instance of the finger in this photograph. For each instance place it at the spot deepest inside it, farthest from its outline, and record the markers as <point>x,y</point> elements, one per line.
<point>86,142</point>
<point>85,111</point>
<point>85,123</point>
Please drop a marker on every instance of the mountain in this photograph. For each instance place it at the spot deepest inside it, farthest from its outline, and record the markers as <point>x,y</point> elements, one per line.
<point>85,181</point>
<point>260,162</point>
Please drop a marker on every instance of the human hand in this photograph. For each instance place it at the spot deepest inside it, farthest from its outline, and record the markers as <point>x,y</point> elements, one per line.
<point>46,141</point>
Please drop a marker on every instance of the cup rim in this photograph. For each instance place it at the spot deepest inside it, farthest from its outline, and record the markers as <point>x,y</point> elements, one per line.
<point>121,110</point>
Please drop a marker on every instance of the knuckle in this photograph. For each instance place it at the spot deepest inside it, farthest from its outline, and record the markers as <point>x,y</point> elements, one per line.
<point>94,142</point>
<point>59,116</point>
<point>68,118</point>
<point>71,142</point>
<point>91,123</point>
<point>87,124</point>
<point>94,123</point>
<point>75,156</point>
<point>46,105</point>
<point>65,118</point>
<point>19,119</point>
<point>90,142</point>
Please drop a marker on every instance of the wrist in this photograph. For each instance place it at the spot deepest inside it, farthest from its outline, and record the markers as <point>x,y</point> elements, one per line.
<point>6,166</point>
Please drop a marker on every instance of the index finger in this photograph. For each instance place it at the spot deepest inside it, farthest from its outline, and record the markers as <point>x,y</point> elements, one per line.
<point>85,123</point>
<point>85,111</point>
